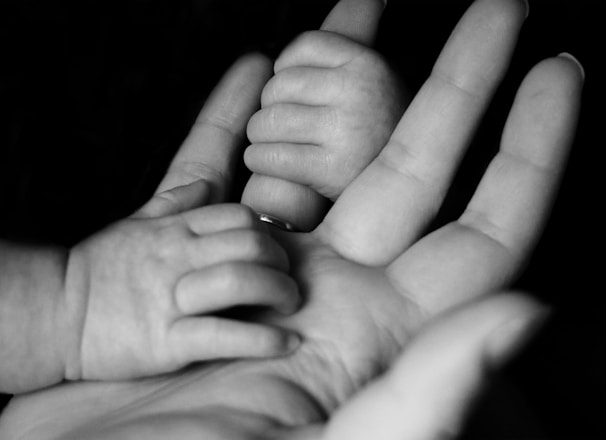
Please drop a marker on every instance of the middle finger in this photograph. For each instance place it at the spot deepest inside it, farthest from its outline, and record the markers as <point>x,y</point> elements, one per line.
<point>386,208</point>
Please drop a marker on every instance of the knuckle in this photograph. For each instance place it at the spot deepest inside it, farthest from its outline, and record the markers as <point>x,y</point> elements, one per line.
<point>330,118</point>
<point>262,124</point>
<point>164,201</point>
<point>273,90</point>
<point>271,117</point>
<point>199,170</point>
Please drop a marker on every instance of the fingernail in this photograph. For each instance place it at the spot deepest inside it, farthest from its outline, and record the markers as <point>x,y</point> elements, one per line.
<point>575,60</point>
<point>293,342</point>
<point>509,337</point>
<point>289,308</point>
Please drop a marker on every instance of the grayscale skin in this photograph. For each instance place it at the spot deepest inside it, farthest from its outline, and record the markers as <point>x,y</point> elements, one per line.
<point>326,113</point>
<point>378,294</point>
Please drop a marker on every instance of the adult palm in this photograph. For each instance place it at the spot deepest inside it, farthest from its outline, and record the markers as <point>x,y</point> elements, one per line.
<point>369,279</point>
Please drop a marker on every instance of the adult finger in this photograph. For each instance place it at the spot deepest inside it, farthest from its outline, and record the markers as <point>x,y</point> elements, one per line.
<point>486,248</point>
<point>355,19</point>
<point>176,200</point>
<point>429,390</point>
<point>384,210</point>
<point>211,149</point>
<point>236,284</point>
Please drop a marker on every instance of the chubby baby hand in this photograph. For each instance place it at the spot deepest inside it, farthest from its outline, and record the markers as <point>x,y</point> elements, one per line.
<point>146,293</point>
<point>326,113</point>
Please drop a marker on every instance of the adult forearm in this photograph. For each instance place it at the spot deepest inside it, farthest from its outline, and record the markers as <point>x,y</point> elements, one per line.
<point>32,320</point>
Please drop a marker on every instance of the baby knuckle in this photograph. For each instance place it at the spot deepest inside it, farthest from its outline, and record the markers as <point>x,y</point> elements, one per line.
<point>272,118</point>
<point>262,124</point>
<point>331,119</point>
<point>273,90</point>
<point>168,198</point>
<point>200,170</point>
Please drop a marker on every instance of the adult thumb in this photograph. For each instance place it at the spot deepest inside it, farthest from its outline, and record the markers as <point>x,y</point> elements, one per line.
<point>213,146</point>
<point>175,200</point>
<point>428,391</point>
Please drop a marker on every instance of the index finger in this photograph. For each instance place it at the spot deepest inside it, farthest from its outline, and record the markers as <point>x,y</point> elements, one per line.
<point>211,149</point>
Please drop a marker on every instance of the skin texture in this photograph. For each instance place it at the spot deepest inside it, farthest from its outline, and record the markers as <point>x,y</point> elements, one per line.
<point>328,110</point>
<point>143,293</point>
<point>375,289</point>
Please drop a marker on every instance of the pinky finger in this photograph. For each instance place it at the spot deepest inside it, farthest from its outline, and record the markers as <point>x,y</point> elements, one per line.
<point>206,338</point>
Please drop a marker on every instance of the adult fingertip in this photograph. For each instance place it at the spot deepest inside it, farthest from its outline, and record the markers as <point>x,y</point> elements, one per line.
<point>355,19</point>
<point>515,329</point>
<point>526,8</point>
<point>255,60</point>
<point>563,70</point>
<point>575,61</point>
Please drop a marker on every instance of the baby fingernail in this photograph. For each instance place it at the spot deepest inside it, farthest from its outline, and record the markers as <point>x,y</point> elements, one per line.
<point>293,342</point>
<point>290,307</point>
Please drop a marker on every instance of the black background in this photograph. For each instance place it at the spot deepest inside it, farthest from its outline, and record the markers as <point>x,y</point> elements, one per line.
<point>95,98</point>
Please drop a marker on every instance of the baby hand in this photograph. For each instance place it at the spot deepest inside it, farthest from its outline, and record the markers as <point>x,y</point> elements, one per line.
<point>145,291</point>
<point>327,112</point>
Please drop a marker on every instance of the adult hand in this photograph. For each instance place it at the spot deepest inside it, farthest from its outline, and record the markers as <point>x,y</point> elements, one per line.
<point>429,390</point>
<point>370,280</point>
